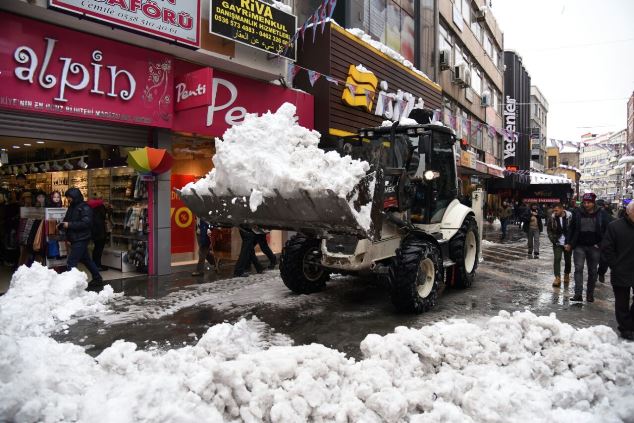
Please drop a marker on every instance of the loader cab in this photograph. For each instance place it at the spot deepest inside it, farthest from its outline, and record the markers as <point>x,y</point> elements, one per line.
<point>419,168</point>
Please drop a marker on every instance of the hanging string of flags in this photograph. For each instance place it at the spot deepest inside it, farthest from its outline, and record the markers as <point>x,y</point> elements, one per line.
<point>321,15</point>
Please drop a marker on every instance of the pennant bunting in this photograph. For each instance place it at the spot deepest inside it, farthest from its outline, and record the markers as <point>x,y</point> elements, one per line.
<point>313,77</point>
<point>331,8</point>
<point>435,116</point>
<point>352,88</point>
<point>331,79</point>
<point>491,131</point>
<point>291,72</point>
<point>315,22</point>
<point>323,13</point>
<point>452,121</point>
<point>368,97</point>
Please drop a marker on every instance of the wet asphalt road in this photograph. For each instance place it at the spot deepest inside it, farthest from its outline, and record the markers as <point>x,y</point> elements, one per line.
<point>176,310</point>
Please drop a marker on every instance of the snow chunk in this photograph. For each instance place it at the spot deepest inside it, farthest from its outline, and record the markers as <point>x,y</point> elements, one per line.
<point>283,7</point>
<point>272,153</point>
<point>362,69</point>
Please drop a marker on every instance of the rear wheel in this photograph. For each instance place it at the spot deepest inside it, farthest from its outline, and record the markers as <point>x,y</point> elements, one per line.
<point>415,276</point>
<point>300,265</point>
<point>464,250</point>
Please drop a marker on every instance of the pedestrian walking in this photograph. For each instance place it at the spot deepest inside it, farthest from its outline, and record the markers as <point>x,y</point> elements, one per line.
<point>617,249</point>
<point>203,235</point>
<point>504,214</point>
<point>557,229</point>
<point>585,233</point>
<point>247,254</point>
<point>603,265</point>
<point>78,226</point>
<point>533,226</point>
<point>260,239</point>
<point>98,230</point>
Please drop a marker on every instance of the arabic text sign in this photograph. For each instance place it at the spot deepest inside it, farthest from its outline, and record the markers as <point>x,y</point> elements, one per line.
<point>177,20</point>
<point>254,23</point>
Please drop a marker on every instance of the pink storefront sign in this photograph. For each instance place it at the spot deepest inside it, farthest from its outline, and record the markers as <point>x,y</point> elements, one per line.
<point>53,70</point>
<point>193,89</point>
<point>232,97</point>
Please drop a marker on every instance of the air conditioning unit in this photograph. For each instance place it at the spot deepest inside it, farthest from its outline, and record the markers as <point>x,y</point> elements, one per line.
<point>485,100</point>
<point>445,59</point>
<point>458,74</point>
<point>481,14</point>
<point>467,78</point>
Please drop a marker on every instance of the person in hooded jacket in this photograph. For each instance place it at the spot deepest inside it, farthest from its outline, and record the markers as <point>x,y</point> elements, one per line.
<point>78,226</point>
<point>98,230</point>
<point>617,249</point>
<point>557,228</point>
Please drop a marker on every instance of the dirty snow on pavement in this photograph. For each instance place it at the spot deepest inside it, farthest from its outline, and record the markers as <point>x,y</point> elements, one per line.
<point>513,367</point>
<point>273,152</point>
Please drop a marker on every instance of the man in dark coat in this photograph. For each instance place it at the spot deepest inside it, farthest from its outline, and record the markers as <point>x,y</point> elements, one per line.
<point>78,226</point>
<point>603,265</point>
<point>618,251</point>
<point>98,230</point>
<point>585,233</point>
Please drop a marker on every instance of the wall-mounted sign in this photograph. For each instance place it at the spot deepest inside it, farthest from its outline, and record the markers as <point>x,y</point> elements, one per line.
<point>510,140</point>
<point>193,89</point>
<point>254,23</point>
<point>232,97</point>
<point>50,69</point>
<point>177,20</point>
<point>468,159</point>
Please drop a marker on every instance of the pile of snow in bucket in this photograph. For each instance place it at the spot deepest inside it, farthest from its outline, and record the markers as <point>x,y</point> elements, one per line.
<point>510,368</point>
<point>273,152</point>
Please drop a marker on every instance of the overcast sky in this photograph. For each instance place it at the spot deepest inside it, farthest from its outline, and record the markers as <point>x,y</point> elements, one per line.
<point>580,53</point>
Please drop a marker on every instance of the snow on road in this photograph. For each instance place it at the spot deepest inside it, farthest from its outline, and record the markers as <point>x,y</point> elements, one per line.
<point>513,367</point>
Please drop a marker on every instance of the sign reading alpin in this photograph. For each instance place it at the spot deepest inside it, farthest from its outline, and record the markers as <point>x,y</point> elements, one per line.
<point>254,23</point>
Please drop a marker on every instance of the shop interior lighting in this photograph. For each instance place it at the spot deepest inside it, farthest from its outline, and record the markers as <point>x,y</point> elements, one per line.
<point>56,166</point>
<point>68,165</point>
<point>23,169</point>
<point>26,144</point>
<point>16,147</point>
<point>40,142</point>
<point>44,167</point>
<point>33,168</point>
<point>81,163</point>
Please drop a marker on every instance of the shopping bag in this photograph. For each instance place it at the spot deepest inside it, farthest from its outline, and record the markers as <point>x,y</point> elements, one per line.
<point>53,249</point>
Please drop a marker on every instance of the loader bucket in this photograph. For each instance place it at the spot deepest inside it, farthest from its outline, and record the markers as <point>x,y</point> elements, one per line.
<point>316,214</point>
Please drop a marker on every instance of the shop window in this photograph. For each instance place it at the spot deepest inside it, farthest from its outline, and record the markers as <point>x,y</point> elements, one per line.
<point>390,22</point>
<point>488,47</point>
<point>476,81</point>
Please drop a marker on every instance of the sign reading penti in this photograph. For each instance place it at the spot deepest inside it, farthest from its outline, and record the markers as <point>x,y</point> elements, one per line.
<point>254,23</point>
<point>177,20</point>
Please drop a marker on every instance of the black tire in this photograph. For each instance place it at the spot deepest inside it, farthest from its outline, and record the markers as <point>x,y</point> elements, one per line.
<point>299,265</point>
<point>407,275</point>
<point>458,247</point>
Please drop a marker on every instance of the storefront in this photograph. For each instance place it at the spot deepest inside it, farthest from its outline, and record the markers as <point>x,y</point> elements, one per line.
<point>356,85</point>
<point>71,107</point>
<point>223,100</point>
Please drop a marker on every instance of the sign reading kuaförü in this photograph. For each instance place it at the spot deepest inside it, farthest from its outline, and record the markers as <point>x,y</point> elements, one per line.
<point>177,20</point>
<point>254,23</point>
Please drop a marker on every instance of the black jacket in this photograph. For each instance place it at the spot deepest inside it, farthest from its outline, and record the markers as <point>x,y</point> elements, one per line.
<point>79,217</point>
<point>526,220</point>
<point>587,229</point>
<point>617,249</point>
<point>556,229</point>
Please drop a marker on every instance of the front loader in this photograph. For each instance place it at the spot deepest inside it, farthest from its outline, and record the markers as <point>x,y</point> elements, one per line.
<point>420,237</point>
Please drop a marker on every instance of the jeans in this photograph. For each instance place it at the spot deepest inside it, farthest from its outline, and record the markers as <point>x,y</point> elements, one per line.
<point>79,254</point>
<point>590,255</point>
<point>559,251</point>
<point>622,308</point>
<point>204,253</point>
<point>533,241</point>
<point>247,254</point>
<point>264,246</point>
<point>504,223</point>
<point>97,252</point>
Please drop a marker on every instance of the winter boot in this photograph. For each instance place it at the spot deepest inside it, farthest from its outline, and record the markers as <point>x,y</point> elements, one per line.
<point>557,282</point>
<point>590,297</point>
<point>566,278</point>
<point>577,298</point>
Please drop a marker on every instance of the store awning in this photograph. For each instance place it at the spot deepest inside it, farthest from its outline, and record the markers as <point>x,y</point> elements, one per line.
<point>545,179</point>
<point>495,171</point>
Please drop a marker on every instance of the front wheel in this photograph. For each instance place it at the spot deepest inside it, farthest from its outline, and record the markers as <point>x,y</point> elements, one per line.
<point>415,276</point>
<point>464,250</point>
<point>300,265</point>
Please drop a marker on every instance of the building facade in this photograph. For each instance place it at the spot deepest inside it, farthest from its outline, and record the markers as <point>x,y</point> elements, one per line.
<point>538,131</point>
<point>630,123</point>
<point>596,162</point>
<point>517,98</point>
<point>82,90</point>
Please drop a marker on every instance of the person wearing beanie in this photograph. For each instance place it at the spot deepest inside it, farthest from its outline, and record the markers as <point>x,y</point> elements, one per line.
<point>585,233</point>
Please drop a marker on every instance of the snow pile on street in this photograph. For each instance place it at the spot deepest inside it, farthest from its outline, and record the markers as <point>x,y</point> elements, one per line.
<point>359,33</point>
<point>39,299</point>
<point>273,152</point>
<point>510,368</point>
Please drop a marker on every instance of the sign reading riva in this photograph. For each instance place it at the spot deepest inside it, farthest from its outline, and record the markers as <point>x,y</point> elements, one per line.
<point>254,23</point>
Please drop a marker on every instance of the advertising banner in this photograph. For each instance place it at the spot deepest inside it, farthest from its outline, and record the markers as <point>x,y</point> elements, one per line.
<point>254,23</point>
<point>232,97</point>
<point>193,89</point>
<point>49,69</point>
<point>175,20</point>
<point>183,220</point>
